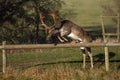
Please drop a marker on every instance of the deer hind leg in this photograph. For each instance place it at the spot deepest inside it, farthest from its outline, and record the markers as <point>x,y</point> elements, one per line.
<point>90,55</point>
<point>84,56</point>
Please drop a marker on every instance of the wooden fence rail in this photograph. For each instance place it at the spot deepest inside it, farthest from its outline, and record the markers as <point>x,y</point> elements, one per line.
<point>4,47</point>
<point>67,45</point>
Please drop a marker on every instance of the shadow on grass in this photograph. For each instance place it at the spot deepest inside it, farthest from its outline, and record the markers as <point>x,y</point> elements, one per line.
<point>99,58</point>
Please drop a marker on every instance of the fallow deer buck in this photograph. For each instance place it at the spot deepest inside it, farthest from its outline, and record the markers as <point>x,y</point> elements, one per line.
<point>69,29</point>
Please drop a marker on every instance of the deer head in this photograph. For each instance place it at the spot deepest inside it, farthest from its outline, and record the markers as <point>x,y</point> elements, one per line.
<point>49,30</point>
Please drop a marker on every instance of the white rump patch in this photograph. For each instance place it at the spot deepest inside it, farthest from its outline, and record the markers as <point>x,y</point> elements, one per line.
<point>72,35</point>
<point>82,47</point>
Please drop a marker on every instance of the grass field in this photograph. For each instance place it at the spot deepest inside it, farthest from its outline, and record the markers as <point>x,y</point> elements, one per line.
<point>61,64</point>
<point>85,13</point>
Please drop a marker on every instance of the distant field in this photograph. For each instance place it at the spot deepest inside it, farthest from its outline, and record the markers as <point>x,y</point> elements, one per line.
<point>86,13</point>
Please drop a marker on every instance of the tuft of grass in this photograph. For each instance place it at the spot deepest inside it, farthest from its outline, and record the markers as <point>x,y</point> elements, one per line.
<point>62,72</point>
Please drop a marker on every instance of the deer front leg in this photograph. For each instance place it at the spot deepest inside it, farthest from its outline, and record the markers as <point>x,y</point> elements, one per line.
<point>65,39</point>
<point>63,33</point>
<point>61,37</point>
<point>61,40</point>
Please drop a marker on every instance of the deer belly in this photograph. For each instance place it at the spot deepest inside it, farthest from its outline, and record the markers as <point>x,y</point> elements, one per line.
<point>73,36</point>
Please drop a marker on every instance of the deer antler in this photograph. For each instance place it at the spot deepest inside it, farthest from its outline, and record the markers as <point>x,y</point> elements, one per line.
<point>47,28</point>
<point>54,16</point>
<point>41,19</point>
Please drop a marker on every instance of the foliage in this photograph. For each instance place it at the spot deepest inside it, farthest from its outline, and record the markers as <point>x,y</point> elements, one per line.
<point>19,19</point>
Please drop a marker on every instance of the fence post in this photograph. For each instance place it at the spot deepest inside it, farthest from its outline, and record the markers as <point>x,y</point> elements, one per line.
<point>106,58</point>
<point>3,57</point>
<point>103,29</point>
<point>118,28</point>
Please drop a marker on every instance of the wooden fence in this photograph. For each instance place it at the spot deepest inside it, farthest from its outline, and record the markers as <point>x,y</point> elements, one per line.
<point>117,33</point>
<point>5,47</point>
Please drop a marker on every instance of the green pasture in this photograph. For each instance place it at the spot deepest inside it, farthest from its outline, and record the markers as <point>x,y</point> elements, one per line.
<point>62,63</point>
<point>56,56</point>
<point>85,13</point>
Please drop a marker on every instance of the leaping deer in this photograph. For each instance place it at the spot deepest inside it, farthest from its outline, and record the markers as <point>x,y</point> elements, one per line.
<point>70,29</point>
